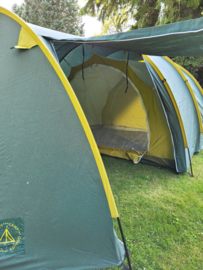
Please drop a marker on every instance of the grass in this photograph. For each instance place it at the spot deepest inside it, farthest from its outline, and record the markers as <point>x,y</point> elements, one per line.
<point>161,213</point>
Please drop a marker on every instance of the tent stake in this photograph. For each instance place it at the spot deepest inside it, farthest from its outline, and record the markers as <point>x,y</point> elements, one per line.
<point>123,238</point>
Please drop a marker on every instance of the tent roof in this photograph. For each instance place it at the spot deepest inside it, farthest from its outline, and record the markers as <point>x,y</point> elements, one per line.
<point>51,34</point>
<point>176,39</point>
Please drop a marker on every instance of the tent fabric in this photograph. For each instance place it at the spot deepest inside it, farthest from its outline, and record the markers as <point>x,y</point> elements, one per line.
<point>77,106</point>
<point>160,144</point>
<point>50,176</point>
<point>197,90</point>
<point>184,102</point>
<point>190,91</point>
<point>55,189</point>
<point>25,40</point>
<point>159,40</point>
<point>179,145</point>
<point>110,112</point>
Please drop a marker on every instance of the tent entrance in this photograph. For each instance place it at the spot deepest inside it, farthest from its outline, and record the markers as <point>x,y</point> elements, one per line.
<point>117,119</point>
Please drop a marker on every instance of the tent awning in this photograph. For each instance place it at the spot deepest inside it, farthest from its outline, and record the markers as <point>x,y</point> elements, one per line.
<point>177,39</point>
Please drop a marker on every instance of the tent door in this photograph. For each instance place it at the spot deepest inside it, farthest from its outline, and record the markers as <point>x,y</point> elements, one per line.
<point>117,119</point>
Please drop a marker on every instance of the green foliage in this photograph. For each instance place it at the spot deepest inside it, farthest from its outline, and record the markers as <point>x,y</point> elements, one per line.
<point>118,22</point>
<point>193,64</point>
<point>146,13</point>
<point>176,10</point>
<point>161,213</point>
<point>60,15</point>
<point>140,13</point>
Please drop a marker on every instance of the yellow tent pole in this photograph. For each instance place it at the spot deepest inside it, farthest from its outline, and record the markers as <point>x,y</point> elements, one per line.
<point>190,89</point>
<point>171,96</point>
<point>76,104</point>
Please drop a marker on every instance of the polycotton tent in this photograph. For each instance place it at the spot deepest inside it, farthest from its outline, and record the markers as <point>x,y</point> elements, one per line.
<point>57,204</point>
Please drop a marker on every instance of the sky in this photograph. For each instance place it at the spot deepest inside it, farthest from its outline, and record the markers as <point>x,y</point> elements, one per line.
<point>92,25</point>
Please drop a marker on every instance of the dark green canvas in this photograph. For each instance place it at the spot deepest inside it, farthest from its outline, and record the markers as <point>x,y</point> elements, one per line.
<point>49,176</point>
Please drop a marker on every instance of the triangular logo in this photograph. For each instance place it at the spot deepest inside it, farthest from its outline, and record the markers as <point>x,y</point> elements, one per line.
<point>6,237</point>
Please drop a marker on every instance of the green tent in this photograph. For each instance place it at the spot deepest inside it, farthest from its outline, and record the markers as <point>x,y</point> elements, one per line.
<point>65,98</point>
<point>56,201</point>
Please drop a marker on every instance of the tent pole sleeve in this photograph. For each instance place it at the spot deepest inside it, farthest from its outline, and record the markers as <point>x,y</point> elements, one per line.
<point>124,242</point>
<point>190,163</point>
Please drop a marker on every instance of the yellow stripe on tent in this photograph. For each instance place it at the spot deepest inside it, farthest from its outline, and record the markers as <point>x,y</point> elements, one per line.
<point>76,104</point>
<point>192,77</point>
<point>172,99</point>
<point>190,89</point>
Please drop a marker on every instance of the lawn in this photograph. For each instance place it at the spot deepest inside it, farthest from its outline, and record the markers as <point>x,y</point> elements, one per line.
<point>161,213</point>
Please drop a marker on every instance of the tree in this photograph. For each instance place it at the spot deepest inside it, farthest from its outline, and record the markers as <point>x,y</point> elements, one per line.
<point>180,10</point>
<point>146,13</point>
<point>174,11</point>
<point>141,13</point>
<point>60,15</point>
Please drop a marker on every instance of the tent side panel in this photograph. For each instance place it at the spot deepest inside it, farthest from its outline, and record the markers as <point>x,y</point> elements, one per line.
<point>185,104</point>
<point>173,120</point>
<point>192,95</point>
<point>77,107</point>
<point>49,175</point>
<point>199,98</point>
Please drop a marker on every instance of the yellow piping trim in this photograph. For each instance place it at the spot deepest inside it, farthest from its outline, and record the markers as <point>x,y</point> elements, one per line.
<point>76,104</point>
<point>192,77</point>
<point>190,89</point>
<point>172,98</point>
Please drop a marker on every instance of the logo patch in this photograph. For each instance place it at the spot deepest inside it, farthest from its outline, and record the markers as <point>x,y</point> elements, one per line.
<point>12,236</point>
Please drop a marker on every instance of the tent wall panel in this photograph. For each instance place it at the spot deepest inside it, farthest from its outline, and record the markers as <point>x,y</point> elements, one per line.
<point>198,92</point>
<point>178,139</point>
<point>75,103</point>
<point>184,101</point>
<point>195,103</point>
<point>49,174</point>
<point>124,109</point>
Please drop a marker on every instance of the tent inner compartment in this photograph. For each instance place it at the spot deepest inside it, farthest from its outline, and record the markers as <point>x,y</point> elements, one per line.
<point>117,119</point>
